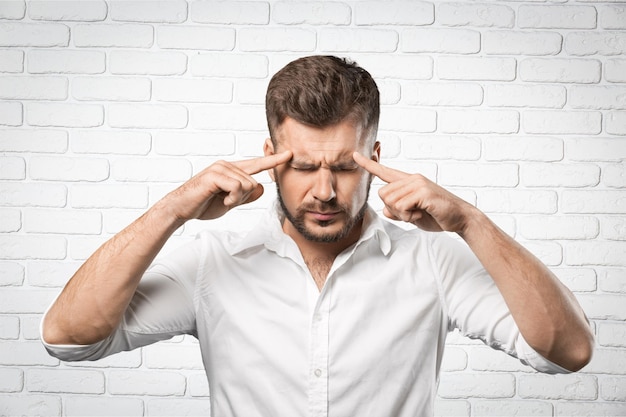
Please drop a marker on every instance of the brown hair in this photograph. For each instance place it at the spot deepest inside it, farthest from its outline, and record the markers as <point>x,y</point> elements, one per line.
<point>321,91</point>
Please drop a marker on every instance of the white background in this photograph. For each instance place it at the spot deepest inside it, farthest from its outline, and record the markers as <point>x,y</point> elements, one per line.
<point>518,107</point>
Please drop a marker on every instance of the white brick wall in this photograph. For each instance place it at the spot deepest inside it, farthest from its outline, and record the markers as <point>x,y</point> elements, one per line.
<point>518,107</point>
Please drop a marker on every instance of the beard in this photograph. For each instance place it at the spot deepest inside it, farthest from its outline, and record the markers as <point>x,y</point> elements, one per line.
<point>298,222</point>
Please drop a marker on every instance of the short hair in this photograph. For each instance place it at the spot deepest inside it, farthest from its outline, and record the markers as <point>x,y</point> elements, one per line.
<point>321,91</point>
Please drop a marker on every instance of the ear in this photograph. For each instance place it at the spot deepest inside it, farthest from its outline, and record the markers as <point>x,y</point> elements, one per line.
<point>376,152</point>
<point>268,150</point>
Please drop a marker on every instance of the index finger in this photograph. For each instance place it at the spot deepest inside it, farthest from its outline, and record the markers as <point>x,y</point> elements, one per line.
<point>256,165</point>
<point>383,172</point>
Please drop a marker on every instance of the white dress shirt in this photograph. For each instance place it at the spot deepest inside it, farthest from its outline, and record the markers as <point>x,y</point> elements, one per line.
<point>370,343</point>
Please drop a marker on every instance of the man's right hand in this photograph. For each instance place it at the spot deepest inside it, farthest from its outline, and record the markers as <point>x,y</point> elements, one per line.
<point>220,187</point>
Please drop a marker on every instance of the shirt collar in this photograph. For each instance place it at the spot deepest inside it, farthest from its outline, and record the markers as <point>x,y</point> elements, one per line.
<point>269,233</point>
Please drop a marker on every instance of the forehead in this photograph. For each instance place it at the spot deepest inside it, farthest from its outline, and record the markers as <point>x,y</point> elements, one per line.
<point>331,143</point>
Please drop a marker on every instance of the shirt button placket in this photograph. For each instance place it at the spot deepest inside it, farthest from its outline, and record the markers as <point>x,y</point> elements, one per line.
<point>318,375</point>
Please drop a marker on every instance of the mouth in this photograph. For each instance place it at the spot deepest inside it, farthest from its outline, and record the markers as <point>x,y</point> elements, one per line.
<point>324,216</point>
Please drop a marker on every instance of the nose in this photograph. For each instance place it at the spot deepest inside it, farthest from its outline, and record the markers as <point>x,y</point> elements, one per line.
<point>324,186</point>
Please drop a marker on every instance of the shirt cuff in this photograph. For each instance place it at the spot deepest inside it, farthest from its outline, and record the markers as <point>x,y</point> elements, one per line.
<point>532,358</point>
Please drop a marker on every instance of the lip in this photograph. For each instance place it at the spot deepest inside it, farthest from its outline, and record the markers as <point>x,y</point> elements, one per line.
<point>323,216</point>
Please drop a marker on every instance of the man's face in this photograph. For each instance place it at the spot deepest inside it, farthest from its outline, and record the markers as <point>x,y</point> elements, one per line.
<point>322,191</point>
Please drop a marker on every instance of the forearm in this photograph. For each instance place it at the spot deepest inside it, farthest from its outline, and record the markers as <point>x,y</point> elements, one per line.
<point>546,312</point>
<point>93,302</point>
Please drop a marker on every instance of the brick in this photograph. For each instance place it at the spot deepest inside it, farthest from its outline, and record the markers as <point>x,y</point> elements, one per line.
<point>476,68</point>
<point>33,88</point>
<point>407,119</point>
<point>357,40</point>
<point>30,405</point>
<point>32,194</point>
<point>196,37</point>
<point>109,196</point>
<point>34,34</point>
<point>64,115</point>
<point>451,408</point>
<point>193,90</point>
<point>522,148</point>
<point>558,227</point>
<point>167,11</point>
<point>593,201</point>
<point>26,140</point>
<point>86,11</point>
<point>441,147</point>
<point>53,274</point>
<point>30,326</point>
<point>442,94</point>
<point>478,121</point>
<point>556,17</point>
<point>173,356</point>
<point>110,142</point>
<point>520,95</point>
<point>507,42</point>
<point>12,168</point>
<point>194,143</point>
<point>171,406</point>
<point>512,408</point>
<point>478,174</point>
<point>151,170</point>
<point>558,387</point>
<point>555,122</point>
<point>607,361</point>
<point>613,228</point>
<point>10,220</point>
<point>146,383</point>
<point>609,253</point>
<point>147,116</point>
<point>470,385</point>
<point>111,89</point>
<point>454,359</point>
<point>592,43</point>
<point>9,329</point>
<point>230,13</point>
<point>229,65</point>
<point>276,39</point>
<point>126,35</point>
<point>11,380</point>
<point>13,10</point>
<point>614,175</point>
<point>102,406</point>
<point>62,221</point>
<point>11,273</point>
<point>212,117</point>
<point>603,307</point>
<point>198,386</point>
<point>615,70</point>
<point>408,67</point>
<point>613,16</point>
<point>597,97</point>
<point>560,175</point>
<point>390,145</point>
<point>147,63</point>
<point>595,149</point>
<point>389,92</point>
<point>481,15</point>
<point>550,253</point>
<point>517,201</point>
<point>612,334</point>
<point>311,13</point>
<point>560,70</point>
<point>10,114</point>
<point>613,389</point>
<point>21,301</point>
<point>438,40</point>
<point>59,168</point>
<point>32,247</point>
<point>82,247</point>
<point>65,381</point>
<point>11,60</point>
<point>116,220</point>
<point>577,279</point>
<point>45,61</point>
<point>395,12</point>
<point>251,91</point>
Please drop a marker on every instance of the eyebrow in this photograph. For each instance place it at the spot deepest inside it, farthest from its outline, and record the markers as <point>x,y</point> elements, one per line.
<point>342,164</point>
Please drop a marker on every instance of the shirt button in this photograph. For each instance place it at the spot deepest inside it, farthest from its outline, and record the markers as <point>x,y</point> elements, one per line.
<point>318,372</point>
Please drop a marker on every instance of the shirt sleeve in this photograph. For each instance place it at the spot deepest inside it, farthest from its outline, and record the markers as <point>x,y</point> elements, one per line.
<point>161,308</point>
<point>476,307</point>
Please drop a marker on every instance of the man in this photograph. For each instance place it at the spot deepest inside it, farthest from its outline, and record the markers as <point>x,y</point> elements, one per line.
<point>324,309</point>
